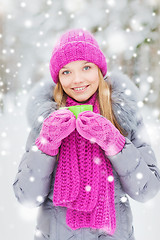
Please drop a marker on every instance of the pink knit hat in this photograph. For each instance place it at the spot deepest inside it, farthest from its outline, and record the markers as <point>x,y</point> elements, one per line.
<point>73,45</point>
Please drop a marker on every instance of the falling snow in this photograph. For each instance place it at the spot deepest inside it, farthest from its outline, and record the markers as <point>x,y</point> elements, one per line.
<point>139,175</point>
<point>26,38</point>
<point>97,160</point>
<point>38,233</point>
<point>40,119</point>
<point>88,188</point>
<point>40,199</point>
<point>110,178</point>
<point>123,199</point>
<point>34,148</point>
<point>31,179</point>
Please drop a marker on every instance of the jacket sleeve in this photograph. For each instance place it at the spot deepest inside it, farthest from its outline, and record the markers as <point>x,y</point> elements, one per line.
<point>136,166</point>
<point>32,183</point>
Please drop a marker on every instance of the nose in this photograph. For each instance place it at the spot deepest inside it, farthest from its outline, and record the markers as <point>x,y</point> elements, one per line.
<point>78,78</point>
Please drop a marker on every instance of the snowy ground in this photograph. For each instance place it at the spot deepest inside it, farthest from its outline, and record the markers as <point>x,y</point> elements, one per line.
<point>18,222</point>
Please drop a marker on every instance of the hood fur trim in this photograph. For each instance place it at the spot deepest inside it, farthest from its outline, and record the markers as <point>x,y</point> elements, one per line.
<point>125,96</point>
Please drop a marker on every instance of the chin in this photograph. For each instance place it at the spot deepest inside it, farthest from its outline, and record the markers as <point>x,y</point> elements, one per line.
<point>81,100</point>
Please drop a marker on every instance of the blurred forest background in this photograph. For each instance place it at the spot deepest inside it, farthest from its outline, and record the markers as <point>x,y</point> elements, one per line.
<point>128,32</point>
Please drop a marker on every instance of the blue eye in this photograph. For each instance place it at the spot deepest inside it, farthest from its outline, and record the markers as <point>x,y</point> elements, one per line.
<point>66,72</point>
<point>87,67</point>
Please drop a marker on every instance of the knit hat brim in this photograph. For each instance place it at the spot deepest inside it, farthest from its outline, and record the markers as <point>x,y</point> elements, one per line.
<point>74,51</point>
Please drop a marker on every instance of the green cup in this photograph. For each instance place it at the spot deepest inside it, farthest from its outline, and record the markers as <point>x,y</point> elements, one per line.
<point>78,109</point>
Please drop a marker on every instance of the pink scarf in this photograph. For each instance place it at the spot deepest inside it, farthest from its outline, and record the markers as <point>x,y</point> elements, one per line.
<point>84,181</point>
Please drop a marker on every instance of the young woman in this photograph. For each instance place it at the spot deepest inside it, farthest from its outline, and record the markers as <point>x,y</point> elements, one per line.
<point>80,169</point>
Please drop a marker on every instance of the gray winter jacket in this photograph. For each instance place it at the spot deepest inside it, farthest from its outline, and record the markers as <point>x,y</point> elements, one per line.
<point>135,168</point>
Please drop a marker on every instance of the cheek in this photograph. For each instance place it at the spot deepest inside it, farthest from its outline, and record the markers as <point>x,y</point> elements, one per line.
<point>94,77</point>
<point>94,81</point>
<point>65,83</point>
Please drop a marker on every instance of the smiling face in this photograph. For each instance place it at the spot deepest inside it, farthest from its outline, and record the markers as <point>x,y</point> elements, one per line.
<point>79,79</point>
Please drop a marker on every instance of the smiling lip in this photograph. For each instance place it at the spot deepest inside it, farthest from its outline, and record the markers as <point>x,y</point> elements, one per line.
<point>80,89</point>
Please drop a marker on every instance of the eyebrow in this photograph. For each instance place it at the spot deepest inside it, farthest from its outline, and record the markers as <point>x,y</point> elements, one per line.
<point>82,64</point>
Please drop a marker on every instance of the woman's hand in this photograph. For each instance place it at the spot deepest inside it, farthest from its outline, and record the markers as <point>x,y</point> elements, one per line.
<point>97,128</point>
<point>57,126</point>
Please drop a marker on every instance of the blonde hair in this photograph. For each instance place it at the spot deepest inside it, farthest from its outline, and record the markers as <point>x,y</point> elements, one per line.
<point>103,97</point>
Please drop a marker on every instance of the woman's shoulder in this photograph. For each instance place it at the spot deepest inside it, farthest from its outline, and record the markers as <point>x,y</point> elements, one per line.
<point>40,103</point>
<point>125,96</point>
<point>123,86</point>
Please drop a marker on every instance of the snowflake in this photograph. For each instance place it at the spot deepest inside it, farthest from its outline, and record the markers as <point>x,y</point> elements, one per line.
<point>59,12</point>
<point>111,3</point>
<point>40,119</point>
<point>139,175</point>
<point>39,198</point>
<point>131,48</point>
<point>8,70</point>
<point>43,140</point>
<point>151,91</point>
<point>123,199</point>
<point>23,4</point>
<point>41,33</point>
<point>34,148</point>
<point>31,179</point>
<point>128,92</point>
<point>19,64</point>
<point>47,15</point>
<point>88,188</point>
<point>19,104</point>
<point>38,44</point>
<point>24,91</point>
<point>97,160</point>
<point>122,104</point>
<point>92,140</point>
<point>134,55</point>
<point>41,84</point>
<point>3,153</point>
<point>4,134</point>
<point>99,29</point>
<point>128,30</point>
<point>72,15</point>
<point>28,23</point>
<point>49,2</point>
<point>4,51</point>
<point>10,110</point>
<point>150,79</point>
<point>138,80</point>
<point>114,57</point>
<point>38,233</point>
<point>107,10</point>
<point>140,104</point>
<point>29,81</point>
<point>45,44</point>
<point>110,178</point>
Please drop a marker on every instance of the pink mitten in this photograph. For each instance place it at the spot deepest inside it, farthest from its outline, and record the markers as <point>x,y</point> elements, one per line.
<point>56,127</point>
<point>97,128</point>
